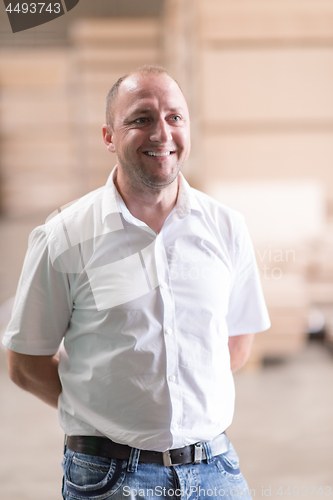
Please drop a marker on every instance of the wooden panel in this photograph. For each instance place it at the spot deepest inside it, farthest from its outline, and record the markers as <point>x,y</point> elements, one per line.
<point>287,333</point>
<point>25,109</point>
<point>33,68</point>
<point>138,32</point>
<point>101,79</point>
<point>279,213</point>
<point>50,154</point>
<point>267,85</point>
<point>322,292</point>
<point>287,301</point>
<point>31,194</point>
<point>36,156</point>
<point>270,156</point>
<point>225,20</point>
<point>286,336</point>
<point>133,56</point>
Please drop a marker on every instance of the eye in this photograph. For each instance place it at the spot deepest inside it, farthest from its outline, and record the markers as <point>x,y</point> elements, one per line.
<point>176,118</point>
<point>141,120</point>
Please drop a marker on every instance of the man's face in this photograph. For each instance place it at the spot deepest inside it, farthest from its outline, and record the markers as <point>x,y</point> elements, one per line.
<point>151,130</point>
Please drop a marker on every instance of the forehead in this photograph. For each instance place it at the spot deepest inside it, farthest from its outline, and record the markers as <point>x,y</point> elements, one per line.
<point>155,90</point>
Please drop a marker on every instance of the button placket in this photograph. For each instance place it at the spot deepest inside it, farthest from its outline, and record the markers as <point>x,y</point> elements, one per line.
<point>170,338</point>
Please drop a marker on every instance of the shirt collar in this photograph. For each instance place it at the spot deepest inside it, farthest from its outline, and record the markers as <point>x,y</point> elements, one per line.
<point>112,201</point>
<point>186,200</point>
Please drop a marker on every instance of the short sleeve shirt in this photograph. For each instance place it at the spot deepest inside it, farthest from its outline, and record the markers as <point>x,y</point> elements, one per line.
<point>142,319</point>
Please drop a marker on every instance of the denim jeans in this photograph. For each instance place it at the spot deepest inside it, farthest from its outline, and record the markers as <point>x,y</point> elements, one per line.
<point>96,478</point>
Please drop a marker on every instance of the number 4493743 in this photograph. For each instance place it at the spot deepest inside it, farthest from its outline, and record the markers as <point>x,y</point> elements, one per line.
<point>34,8</point>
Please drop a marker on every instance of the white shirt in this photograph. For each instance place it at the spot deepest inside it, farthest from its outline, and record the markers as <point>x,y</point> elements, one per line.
<point>144,317</point>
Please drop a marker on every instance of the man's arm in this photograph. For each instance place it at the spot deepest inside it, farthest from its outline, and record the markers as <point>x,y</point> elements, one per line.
<point>239,348</point>
<point>36,374</point>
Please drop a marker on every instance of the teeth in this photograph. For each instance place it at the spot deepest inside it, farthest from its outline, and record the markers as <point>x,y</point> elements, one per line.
<point>152,153</point>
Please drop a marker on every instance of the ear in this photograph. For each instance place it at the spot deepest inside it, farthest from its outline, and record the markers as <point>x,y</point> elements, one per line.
<point>107,138</point>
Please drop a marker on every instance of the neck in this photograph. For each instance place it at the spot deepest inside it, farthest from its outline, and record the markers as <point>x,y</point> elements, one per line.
<point>150,206</point>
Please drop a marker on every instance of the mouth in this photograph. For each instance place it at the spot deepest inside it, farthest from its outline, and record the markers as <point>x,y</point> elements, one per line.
<point>158,154</point>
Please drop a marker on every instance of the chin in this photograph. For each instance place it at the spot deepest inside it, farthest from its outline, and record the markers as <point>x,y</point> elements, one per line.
<point>159,181</point>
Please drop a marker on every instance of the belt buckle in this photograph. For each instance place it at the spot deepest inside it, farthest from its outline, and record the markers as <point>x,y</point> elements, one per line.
<point>167,462</point>
<point>198,453</point>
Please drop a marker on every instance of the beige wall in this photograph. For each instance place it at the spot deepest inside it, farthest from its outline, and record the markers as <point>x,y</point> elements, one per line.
<point>258,77</point>
<point>266,70</point>
<point>36,157</point>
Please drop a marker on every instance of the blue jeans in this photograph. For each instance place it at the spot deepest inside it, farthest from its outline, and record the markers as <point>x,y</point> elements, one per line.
<point>96,478</point>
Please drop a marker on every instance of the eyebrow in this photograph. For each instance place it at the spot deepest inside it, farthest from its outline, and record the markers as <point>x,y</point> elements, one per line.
<point>142,111</point>
<point>174,110</point>
<point>148,110</point>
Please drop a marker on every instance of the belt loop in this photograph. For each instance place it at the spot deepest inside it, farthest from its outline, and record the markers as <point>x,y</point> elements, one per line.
<point>208,450</point>
<point>133,460</point>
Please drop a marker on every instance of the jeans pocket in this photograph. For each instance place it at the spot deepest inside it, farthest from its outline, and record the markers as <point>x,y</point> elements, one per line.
<point>90,477</point>
<point>228,464</point>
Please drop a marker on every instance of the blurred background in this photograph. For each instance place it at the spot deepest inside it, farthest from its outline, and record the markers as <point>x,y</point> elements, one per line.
<point>258,77</point>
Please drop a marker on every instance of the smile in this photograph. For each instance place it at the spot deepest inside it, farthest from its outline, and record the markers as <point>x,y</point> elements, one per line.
<point>153,153</point>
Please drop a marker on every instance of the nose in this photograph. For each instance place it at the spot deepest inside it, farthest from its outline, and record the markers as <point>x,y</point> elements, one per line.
<point>160,132</point>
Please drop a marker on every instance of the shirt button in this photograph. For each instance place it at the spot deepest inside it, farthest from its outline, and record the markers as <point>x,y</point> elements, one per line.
<point>169,331</point>
<point>164,285</point>
<point>172,378</point>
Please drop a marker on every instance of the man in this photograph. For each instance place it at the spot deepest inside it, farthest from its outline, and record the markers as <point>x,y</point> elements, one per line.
<point>153,289</point>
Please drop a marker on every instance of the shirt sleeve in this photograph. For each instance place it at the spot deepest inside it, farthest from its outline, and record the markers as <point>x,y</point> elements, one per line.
<point>42,307</point>
<point>247,311</point>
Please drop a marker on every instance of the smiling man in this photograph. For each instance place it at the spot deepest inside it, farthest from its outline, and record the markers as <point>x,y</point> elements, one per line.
<point>151,290</point>
<point>149,130</point>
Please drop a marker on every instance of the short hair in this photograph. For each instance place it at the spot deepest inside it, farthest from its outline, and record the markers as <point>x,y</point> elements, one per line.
<point>113,93</point>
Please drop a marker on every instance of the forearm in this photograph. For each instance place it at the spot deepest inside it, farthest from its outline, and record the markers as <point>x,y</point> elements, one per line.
<point>239,348</point>
<point>37,375</point>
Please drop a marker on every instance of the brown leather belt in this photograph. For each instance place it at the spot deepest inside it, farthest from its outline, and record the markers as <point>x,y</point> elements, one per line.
<point>104,447</point>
